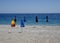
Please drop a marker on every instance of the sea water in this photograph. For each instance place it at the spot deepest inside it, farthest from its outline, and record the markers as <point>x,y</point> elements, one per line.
<point>53,18</point>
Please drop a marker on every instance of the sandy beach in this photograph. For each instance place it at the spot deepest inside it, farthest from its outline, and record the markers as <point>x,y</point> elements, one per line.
<point>29,34</point>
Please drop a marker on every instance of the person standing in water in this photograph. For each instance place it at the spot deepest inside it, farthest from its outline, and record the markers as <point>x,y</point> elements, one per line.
<point>46,18</point>
<point>24,19</point>
<point>15,19</point>
<point>36,19</point>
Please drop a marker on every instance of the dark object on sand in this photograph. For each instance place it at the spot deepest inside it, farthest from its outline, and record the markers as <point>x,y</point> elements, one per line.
<point>24,19</point>
<point>46,18</point>
<point>36,19</point>
<point>22,23</point>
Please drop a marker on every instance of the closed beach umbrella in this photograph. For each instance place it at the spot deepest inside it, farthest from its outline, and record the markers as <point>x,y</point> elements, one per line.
<point>13,23</point>
<point>22,23</point>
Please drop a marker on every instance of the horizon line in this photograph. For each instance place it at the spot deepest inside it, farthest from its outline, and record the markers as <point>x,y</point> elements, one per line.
<point>22,13</point>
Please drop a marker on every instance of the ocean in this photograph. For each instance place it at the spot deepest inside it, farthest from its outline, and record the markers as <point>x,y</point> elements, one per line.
<point>53,18</point>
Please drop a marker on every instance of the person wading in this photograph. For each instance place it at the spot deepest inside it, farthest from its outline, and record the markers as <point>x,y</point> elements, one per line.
<point>36,19</point>
<point>24,19</point>
<point>46,18</point>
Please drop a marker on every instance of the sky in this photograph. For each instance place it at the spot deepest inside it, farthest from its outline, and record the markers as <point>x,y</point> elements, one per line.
<point>29,6</point>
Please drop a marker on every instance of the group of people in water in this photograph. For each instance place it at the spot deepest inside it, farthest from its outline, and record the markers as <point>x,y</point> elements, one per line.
<point>13,22</point>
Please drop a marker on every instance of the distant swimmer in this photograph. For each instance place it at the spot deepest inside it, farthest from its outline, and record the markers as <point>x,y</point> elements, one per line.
<point>13,23</point>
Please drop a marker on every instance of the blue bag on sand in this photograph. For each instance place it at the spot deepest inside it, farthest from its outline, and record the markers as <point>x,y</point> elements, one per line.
<point>22,23</point>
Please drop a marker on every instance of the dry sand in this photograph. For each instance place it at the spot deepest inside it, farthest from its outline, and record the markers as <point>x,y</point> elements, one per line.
<point>29,34</point>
